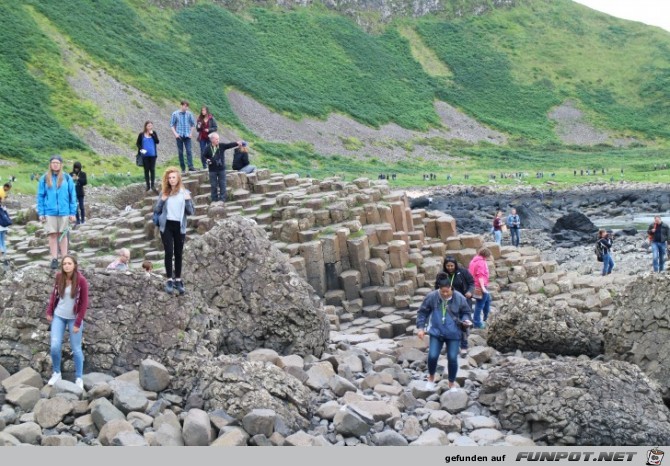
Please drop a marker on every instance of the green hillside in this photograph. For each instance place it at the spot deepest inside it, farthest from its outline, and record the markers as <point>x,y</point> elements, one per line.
<point>507,69</point>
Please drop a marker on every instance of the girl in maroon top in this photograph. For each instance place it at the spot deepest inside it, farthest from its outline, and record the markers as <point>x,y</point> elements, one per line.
<point>206,124</point>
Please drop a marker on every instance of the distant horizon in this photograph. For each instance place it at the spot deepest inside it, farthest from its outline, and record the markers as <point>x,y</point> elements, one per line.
<point>650,12</point>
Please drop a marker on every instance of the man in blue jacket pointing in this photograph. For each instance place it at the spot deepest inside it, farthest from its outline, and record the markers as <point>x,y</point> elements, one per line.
<point>56,206</point>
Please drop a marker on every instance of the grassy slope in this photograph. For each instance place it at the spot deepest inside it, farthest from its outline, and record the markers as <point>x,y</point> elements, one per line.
<point>507,68</point>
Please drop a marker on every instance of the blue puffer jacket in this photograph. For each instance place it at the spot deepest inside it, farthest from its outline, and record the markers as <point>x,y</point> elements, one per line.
<point>429,316</point>
<point>56,201</point>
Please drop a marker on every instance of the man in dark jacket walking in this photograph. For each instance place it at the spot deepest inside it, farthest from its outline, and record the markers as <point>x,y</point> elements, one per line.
<point>659,233</point>
<point>216,161</point>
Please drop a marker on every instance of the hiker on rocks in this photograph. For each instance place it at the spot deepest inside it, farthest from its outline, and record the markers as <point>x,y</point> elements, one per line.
<point>173,205</point>
<point>444,314</point>
<point>514,224</point>
<point>4,190</point>
<point>122,262</point>
<point>3,229</point>
<point>479,269</point>
<point>241,159</point>
<point>461,281</point>
<point>205,126</point>
<point>605,244</point>
<point>216,161</point>
<point>659,234</point>
<point>147,145</point>
<point>56,206</point>
<point>79,178</point>
<point>67,308</point>
<point>182,124</point>
<point>497,227</point>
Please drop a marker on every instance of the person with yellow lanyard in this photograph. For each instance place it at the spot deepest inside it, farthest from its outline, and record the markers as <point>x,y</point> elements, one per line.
<point>461,280</point>
<point>444,314</point>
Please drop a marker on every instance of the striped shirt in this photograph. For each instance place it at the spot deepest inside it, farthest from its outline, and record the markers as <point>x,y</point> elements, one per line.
<point>182,122</point>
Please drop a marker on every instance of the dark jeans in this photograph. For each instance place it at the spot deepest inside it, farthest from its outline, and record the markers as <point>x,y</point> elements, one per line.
<point>181,144</point>
<point>173,242</point>
<point>218,182</point>
<point>81,210</point>
<point>434,348</point>
<point>658,254</point>
<point>203,146</point>
<point>514,236</point>
<point>483,304</point>
<point>149,171</point>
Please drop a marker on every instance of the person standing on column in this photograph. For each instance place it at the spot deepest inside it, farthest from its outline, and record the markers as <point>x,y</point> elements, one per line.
<point>514,224</point>
<point>479,269</point>
<point>497,227</point>
<point>205,126</point>
<point>173,205</point>
<point>182,123</point>
<point>56,206</point>
<point>79,178</point>
<point>216,161</point>
<point>147,145</point>
<point>659,233</point>
<point>66,309</point>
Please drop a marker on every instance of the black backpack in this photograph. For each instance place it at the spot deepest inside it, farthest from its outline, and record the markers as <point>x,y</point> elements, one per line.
<point>600,250</point>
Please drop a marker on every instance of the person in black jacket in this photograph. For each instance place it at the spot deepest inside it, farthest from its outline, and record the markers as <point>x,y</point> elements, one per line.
<point>216,161</point>
<point>241,159</point>
<point>147,146</point>
<point>79,178</point>
<point>659,234</point>
<point>605,245</point>
<point>461,280</point>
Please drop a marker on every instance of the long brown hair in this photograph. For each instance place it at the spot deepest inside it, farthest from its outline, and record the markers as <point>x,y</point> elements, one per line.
<point>202,117</point>
<point>61,278</point>
<point>147,123</point>
<point>166,188</point>
<point>48,175</point>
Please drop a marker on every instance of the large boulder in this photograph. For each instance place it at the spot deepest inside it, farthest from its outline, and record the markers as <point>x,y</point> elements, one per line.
<point>537,324</point>
<point>578,402</point>
<point>530,218</point>
<point>242,294</point>
<point>239,386</point>
<point>638,329</point>
<point>574,228</point>
<point>259,299</point>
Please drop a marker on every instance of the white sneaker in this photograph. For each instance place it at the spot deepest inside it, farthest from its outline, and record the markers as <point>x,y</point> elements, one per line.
<point>55,377</point>
<point>79,382</point>
<point>430,386</point>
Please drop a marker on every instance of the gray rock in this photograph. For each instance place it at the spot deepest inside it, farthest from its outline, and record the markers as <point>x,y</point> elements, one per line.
<point>197,430</point>
<point>169,436</point>
<point>49,412</point>
<point>157,407</point>
<point>431,437</point>
<point>264,355</point>
<point>129,439</point>
<point>59,441</point>
<point>113,428</point>
<point>481,354</point>
<point>486,436</point>
<point>93,378</point>
<point>100,390</point>
<point>444,421</point>
<point>454,400</point>
<point>340,385</point>
<point>420,389</point>
<point>299,439</point>
<point>86,425</point>
<point>28,432</point>
<point>169,418</point>
<point>463,441</point>
<point>102,411</point>
<point>375,411</point>
<point>480,422</point>
<point>26,376</point>
<point>220,419</point>
<point>519,441</point>
<point>319,375</point>
<point>154,376</point>
<point>328,410</point>
<point>66,389</point>
<point>389,438</point>
<point>600,403</point>
<point>140,421</point>
<point>232,437</point>
<point>23,396</point>
<point>346,422</point>
<point>4,373</point>
<point>128,398</point>
<point>8,440</point>
<point>374,379</point>
<point>411,428</point>
<point>259,421</point>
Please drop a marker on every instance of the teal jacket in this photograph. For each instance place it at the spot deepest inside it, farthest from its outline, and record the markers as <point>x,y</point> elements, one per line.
<point>56,201</point>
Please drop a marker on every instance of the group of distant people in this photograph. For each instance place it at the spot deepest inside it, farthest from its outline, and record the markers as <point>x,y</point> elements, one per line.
<point>512,223</point>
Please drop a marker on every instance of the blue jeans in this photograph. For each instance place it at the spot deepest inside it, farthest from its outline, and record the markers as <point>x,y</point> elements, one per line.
<point>514,236</point>
<point>181,143</point>
<point>3,246</point>
<point>203,146</point>
<point>248,169</point>
<point>81,212</point>
<point>217,180</point>
<point>434,349</point>
<point>658,252</point>
<point>497,235</point>
<point>608,264</point>
<point>58,325</point>
<point>483,304</point>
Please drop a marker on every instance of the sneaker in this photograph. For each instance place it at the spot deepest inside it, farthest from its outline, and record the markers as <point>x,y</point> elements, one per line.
<point>192,169</point>
<point>79,382</point>
<point>179,286</point>
<point>169,287</point>
<point>54,264</point>
<point>430,386</point>
<point>464,352</point>
<point>55,377</point>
